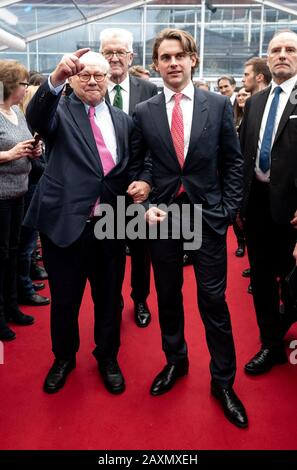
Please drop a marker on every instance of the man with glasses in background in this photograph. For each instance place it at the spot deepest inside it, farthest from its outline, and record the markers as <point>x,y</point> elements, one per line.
<point>125,92</point>
<point>88,152</point>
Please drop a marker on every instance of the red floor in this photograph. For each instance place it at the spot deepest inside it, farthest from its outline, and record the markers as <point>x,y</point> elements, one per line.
<point>83,415</point>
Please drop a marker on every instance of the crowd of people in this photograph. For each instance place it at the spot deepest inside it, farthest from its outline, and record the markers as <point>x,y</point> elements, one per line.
<point>230,157</point>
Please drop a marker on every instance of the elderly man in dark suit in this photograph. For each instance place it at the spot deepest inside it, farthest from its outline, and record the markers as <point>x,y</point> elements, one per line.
<point>125,92</point>
<point>193,157</point>
<point>269,144</point>
<point>88,143</point>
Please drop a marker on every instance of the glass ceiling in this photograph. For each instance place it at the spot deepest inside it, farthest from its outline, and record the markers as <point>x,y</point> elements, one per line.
<point>19,18</point>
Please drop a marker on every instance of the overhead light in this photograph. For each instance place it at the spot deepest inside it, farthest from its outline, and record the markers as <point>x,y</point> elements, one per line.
<point>8,17</point>
<point>13,42</point>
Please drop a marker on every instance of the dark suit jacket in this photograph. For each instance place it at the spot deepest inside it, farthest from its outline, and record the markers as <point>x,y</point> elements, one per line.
<point>283,171</point>
<point>140,90</point>
<point>73,179</point>
<point>212,173</point>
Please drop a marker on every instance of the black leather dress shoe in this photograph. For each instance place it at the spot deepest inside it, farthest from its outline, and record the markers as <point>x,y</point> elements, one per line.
<point>232,406</point>
<point>56,377</point>
<point>246,272</point>
<point>168,376</point>
<point>35,300</point>
<point>19,318</point>
<point>142,314</point>
<point>112,376</point>
<point>264,360</point>
<point>38,273</point>
<point>240,250</point>
<point>6,334</point>
<point>38,286</point>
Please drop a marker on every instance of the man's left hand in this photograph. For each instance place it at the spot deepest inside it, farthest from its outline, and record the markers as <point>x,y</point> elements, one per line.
<point>139,191</point>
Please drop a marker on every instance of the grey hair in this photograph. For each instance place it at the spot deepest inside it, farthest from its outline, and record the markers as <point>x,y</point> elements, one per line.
<point>280,32</point>
<point>95,58</point>
<point>122,34</point>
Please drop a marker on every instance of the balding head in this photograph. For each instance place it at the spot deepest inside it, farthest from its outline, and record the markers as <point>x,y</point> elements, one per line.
<point>282,56</point>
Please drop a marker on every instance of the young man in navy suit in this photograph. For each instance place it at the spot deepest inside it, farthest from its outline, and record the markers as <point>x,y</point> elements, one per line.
<point>193,158</point>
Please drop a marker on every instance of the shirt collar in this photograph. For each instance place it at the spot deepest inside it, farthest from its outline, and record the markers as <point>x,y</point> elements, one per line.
<point>188,91</point>
<point>124,85</point>
<point>100,107</point>
<point>286,86</point>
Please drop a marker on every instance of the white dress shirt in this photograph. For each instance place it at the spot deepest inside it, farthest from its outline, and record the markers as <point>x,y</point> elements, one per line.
<point>125,91</point>
<point>187,106</point>
<point>287,88</point>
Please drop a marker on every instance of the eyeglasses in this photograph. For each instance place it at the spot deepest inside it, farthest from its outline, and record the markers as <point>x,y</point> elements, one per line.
<point>120,54</point>
<point>25,84</point>
<point>98,77</point>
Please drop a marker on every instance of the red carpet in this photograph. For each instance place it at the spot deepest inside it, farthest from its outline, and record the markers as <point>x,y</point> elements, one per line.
<point>83,415</point>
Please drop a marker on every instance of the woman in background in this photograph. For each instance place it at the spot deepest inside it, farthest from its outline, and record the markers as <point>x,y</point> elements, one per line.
<point>16,151</point>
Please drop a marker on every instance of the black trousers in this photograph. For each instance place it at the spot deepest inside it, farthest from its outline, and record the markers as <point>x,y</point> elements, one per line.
<point>210,262</point>
<point>140,269</point>
<point>270,250</point>
<point>11,216</point>
<point>102,262</point>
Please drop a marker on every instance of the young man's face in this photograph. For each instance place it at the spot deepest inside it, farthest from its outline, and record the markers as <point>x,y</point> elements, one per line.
<point>174,65</point>
<point>249,79</point>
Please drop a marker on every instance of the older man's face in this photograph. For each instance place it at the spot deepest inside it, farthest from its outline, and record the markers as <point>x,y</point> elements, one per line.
<point>119,57</point>
<point>90,85</point>
<point>282,57</point>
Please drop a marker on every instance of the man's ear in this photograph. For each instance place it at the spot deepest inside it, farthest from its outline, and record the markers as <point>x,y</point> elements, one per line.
<point>259,77</point>
<point>131,59</point>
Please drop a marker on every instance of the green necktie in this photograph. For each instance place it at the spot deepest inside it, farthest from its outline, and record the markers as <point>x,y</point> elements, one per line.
<point>118,99</point>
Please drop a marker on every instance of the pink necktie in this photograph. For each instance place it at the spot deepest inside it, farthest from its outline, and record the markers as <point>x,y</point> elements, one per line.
<point>104,154</point>
<point>177,132</point>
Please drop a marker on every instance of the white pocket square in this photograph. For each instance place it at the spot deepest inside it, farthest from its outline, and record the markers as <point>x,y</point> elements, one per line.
<point>293,116</point>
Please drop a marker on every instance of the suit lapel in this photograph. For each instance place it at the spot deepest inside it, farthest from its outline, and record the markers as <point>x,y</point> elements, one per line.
<point>134,95</point>
<point>160,121</point>
<point>198,121</point>
<point>79,115</point>
<point>107,99</point>
<point>258,111</point>
<point>290,106</point>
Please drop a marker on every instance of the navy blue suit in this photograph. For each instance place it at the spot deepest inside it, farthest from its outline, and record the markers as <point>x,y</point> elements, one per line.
<point>60,210</point>
<point>211,176</point>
